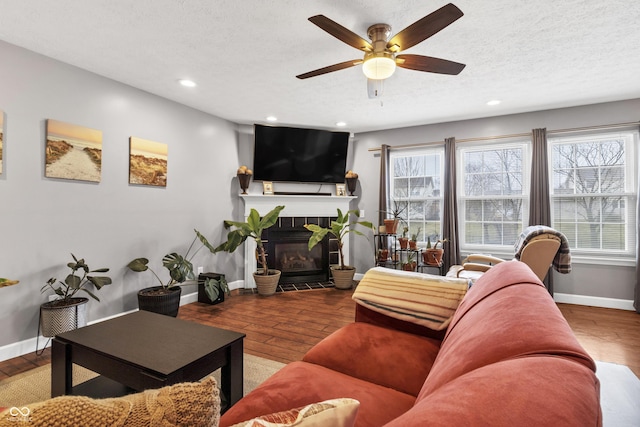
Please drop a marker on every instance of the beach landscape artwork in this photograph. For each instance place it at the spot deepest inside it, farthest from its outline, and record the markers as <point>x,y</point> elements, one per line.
<point>73,152</point>
<point>1,137</point>
<point>147,162</point>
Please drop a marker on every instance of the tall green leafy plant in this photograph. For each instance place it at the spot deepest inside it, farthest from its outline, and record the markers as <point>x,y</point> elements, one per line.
<point>339,228</point>
<point>253,228</point>
<point>179,266</point>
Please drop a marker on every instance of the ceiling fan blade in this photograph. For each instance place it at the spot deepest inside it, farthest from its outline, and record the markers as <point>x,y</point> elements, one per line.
<point>341,33</point>
<point>424,28</point>
<point>330,68</point>
<point>429,64</point>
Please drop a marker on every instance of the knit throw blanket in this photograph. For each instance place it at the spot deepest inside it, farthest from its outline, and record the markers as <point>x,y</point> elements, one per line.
<point>562,260</point>
<point>424,299</point>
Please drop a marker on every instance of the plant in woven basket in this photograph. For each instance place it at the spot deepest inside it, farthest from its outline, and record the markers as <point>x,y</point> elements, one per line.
<point>78,280</point>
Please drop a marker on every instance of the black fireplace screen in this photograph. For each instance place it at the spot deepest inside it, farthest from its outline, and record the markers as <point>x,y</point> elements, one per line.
<point>295,257</point>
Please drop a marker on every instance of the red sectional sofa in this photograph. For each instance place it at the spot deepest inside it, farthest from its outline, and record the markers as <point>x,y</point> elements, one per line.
<point>508,358</point>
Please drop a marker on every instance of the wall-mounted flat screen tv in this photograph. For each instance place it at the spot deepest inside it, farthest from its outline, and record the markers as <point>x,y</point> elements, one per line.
<point>287,154</point>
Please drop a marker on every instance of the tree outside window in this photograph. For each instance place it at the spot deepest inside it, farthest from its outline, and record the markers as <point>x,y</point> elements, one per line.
<point>593,191</point>
<point>416,187</point>
<point>493,196</point>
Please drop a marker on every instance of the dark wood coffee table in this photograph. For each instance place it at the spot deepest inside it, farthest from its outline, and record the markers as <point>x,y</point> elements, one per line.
<point>145,350</point>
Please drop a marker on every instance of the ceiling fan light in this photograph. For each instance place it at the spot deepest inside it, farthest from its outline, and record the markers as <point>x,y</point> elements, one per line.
<point>379,67</point>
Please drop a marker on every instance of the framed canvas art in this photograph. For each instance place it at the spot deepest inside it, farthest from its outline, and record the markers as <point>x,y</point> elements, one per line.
<point>147,162</point>
<point>73,152</point>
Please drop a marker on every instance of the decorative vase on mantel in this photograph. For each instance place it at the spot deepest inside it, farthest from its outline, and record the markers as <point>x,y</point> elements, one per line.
<point>244,178</point>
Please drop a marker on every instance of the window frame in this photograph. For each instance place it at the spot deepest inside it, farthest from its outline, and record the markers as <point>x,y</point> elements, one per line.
<point>462,198</point>
<point>602,255</point>
<point>416,152</point>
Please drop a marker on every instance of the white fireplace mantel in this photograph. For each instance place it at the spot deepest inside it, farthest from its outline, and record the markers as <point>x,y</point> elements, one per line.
<point>295,206</point>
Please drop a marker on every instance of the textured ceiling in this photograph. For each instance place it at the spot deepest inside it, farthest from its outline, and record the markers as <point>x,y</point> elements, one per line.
<point>245,54</point>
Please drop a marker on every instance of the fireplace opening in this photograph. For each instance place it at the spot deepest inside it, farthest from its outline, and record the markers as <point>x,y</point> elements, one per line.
<point>288,251</point>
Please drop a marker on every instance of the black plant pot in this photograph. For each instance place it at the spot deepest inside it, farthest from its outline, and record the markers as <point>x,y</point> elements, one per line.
<point>202,294</point>
<point>161,301</point>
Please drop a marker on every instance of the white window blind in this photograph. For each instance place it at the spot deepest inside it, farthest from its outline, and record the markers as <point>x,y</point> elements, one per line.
<point>593,186</point>
<point>493,188</point>
<point>416,188</point>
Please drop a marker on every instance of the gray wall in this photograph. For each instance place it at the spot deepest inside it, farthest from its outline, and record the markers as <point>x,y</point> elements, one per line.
<point>109,223</point>
<point>42,220</point>
<point>586,278</point>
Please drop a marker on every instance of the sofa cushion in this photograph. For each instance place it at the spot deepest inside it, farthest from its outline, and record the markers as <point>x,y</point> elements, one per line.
<point>528,391</point>
<point>184,404</point>
<point>300,383</point>
<point>382,356</point>
<point>507,314</point>
<point>333,412</point>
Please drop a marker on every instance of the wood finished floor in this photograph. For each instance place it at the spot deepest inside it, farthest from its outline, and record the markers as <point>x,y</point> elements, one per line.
<point>284,326</point>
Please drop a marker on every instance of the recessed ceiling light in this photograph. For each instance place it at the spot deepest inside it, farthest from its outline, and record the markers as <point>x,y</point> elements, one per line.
<point>341,124</point>
<point>494,102</point>
<point>272,119</point>
<point>187,83</point>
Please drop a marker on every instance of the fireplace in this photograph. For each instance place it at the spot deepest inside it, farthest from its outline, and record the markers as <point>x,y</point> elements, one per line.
<point>287,244</point>
<point>299,210</point>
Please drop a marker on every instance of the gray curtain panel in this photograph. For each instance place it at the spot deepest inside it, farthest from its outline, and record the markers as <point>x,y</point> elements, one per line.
<point>450,208</point>
<point>384,183</point>
<point>539,197</point>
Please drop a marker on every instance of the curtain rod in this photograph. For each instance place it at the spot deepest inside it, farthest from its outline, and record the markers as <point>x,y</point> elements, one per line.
<point>514,135</point>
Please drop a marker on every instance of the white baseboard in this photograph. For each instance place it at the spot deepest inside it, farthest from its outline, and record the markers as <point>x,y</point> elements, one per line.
<point>620,304</point>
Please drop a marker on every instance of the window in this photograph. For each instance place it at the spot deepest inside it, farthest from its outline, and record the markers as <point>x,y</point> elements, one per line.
<point>593,192</point>
<point>492,193</point>
<point>416,188</point>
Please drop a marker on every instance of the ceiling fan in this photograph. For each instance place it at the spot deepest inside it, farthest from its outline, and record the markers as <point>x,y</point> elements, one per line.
<point>381,55</point>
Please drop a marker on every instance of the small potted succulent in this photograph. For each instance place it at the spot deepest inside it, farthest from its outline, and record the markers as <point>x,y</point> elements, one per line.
<point>67,311</point>
<point>411,263</point>
<point>404,240</point>
<point>413,243</point>
<point>342,274</point>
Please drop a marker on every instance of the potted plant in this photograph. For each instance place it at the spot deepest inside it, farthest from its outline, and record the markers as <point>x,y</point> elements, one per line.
<point>67,312</point>
<point>212,287</point>
<point>383,255</point>
<point>342,274</point>
<point>266,279</point>
<point>433,255</point>
<point>404,241</point>
<point>413,243</point>
<point>411,263</point>
<point>391,224</point>
<point>165,298</point>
